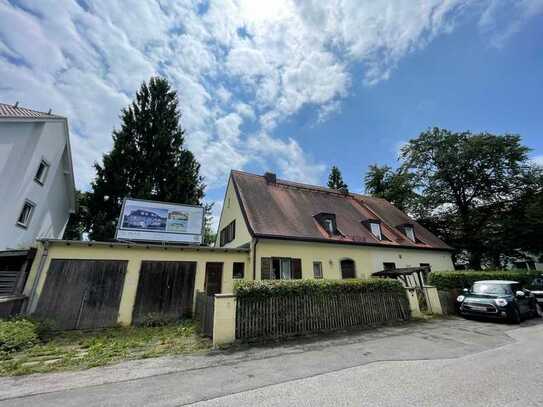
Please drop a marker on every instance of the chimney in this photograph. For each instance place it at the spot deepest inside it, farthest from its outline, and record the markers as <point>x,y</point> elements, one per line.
<point>16,104</point>
<point>271,178</point>
<point>50,110</point>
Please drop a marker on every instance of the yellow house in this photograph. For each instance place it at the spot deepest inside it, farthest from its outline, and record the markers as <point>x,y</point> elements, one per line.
<point>295,230</point>
<point>269,229</point>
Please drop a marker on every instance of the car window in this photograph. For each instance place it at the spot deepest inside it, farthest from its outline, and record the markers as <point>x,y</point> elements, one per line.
<point>491,289</point>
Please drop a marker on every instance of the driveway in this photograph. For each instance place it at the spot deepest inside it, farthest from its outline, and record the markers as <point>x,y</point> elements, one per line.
<point>441,362</point>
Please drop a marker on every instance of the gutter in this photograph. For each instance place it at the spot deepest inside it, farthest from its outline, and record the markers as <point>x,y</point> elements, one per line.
<point>39,271</point>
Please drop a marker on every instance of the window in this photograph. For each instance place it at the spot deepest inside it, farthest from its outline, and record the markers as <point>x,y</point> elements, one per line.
<point>228,233</point>
<point>317,269</point>
<point>329,226</point>
<point>41,174</point>
<point>389,266</point>
<point>328,222</point>
<point>26,214</point>
<point>239,270</point>
<point>376,230</point>
<point>410,232</point>
<point>281,268</point>
<point>347,269</point>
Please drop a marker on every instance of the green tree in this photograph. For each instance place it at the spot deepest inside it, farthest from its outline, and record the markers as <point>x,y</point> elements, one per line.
<point>76,226</point>
<point>465,181</point>
<point>335,180</point>
<point>209,234</point>
<point>397,187</point>
<point>148,160</point>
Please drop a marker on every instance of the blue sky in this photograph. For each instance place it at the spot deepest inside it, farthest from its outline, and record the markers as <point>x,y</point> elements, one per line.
<point>288,86</point>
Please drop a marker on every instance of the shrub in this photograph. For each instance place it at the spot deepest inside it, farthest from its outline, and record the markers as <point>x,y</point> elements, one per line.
<point>444,280</point>
<point>277,288</point>
<point>17,335</point>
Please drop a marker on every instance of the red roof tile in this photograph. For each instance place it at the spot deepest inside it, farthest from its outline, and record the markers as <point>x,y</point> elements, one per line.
<point>287,210</point>
<point>12,112</point>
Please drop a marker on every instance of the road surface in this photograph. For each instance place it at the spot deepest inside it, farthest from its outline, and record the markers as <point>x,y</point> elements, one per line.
<point>441,363</point>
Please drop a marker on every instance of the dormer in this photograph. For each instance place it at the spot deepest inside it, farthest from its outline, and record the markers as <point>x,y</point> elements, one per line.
<point>408,230</point>
<point>374,226</point>
<point>328,222</point>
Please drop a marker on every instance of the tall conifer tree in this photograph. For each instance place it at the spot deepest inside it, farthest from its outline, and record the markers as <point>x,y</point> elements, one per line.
<point>148,160</point>
<point>335,180</point>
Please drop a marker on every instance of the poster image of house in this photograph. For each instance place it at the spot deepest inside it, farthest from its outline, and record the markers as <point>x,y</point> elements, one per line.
<point>145,218</point>
<point>177,221</point>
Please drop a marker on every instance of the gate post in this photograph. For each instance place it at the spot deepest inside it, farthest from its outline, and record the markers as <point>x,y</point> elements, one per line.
<point>224,319</point>
<point>413,301</point>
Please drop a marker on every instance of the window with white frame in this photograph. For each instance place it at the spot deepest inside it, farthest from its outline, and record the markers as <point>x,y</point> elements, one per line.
<point>317,269</point>
<point>410,232</point>
<point>376,230</point>
<point>42,171</point>
<point>26,214</point>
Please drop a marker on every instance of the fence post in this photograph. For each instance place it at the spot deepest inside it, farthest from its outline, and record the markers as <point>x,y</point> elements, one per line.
<point>413,301</point>
<point>224,319</point>
<point>433,300</point>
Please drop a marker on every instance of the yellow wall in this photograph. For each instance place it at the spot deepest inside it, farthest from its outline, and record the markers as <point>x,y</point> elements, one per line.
<point>135,255</point>
<point>232,210</point>
<point>367,259</point>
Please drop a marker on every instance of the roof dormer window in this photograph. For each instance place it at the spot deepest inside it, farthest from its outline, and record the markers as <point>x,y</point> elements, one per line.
<point>374,226</point>
<point>410,232</point>
<point>376,230</point>
<point>328,222</point>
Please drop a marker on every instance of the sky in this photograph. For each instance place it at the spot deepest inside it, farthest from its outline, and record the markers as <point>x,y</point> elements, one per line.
<point>291,87</point>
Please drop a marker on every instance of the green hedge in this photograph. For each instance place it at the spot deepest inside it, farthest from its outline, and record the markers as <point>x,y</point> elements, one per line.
<point>276,288</point>
<point>444,280</point>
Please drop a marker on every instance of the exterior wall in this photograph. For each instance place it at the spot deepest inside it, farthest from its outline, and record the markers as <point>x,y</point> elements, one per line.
<point>367,259</point>
<point>135,255</point>
<point>231,210</point>
<point>23,146</point>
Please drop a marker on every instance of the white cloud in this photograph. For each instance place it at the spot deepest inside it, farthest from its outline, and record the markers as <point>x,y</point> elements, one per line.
<point>292,162</point>
<point>234,63</point>
<point>501,19</point>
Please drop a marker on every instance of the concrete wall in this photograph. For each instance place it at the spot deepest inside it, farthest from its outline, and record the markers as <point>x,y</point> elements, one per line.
<point>135,254</point>
<point>231,210</point>
<point>367,259</point>
<point>22,147</point>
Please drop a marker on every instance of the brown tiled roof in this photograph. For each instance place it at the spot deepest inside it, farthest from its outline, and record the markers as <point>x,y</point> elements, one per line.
<point>13,112</point>
<point>287,210</point>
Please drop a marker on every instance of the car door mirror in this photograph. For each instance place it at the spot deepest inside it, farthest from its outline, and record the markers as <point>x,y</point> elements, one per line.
<point>520,293</point>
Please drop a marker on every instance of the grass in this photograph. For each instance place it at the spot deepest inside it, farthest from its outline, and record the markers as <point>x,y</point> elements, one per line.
<point>75,350</point>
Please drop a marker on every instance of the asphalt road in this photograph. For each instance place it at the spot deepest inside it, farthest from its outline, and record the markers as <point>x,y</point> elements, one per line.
<point>441,363</point>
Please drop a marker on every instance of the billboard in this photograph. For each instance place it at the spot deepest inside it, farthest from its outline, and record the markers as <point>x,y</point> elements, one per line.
<point>160,221</point>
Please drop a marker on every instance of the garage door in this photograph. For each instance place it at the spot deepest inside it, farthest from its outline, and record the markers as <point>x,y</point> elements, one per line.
<point>165,290</point>
<point>82,294</point>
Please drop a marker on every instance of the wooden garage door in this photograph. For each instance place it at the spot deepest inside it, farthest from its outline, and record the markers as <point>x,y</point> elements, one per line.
<point>165,290</point>
<point>82,294</point>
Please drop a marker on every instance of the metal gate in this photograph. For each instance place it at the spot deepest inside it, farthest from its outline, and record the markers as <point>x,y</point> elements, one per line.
<point>82,294</point>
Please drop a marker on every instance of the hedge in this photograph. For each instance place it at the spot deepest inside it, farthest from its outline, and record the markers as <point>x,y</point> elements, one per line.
<point>445,280</point>
<point>277,288</point>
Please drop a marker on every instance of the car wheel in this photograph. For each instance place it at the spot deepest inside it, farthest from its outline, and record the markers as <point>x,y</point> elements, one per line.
<point>515,316</point>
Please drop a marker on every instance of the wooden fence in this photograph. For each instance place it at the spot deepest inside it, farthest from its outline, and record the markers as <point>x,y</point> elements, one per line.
<point>204,312</point>
<point>282,316</point>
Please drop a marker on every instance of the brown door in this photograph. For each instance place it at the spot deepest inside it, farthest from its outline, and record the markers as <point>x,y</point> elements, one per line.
<point>213,281</point>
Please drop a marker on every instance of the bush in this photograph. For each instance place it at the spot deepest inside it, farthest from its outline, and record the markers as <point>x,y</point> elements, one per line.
<point>17,335</point>
<point>444,280</point>
<point>277,288</point>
